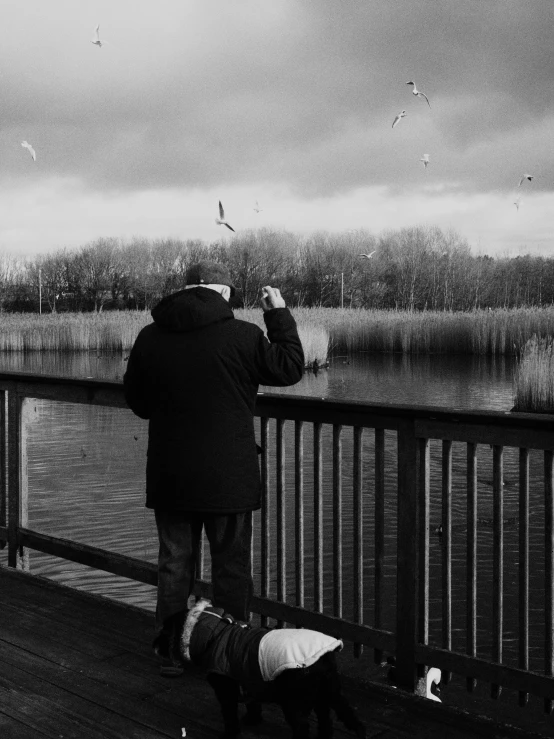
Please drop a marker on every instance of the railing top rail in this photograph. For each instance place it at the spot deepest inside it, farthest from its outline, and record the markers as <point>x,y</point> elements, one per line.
<point>110,392</point>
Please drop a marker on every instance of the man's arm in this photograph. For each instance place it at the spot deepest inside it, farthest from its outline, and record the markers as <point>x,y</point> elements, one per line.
<point>279,361</point>
<point>136,394</point>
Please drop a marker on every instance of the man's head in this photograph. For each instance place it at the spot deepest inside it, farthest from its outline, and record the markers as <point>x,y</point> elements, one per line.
<point>210,274</point>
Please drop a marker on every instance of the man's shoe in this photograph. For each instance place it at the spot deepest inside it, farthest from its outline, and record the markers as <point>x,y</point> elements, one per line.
<point>171,663</point>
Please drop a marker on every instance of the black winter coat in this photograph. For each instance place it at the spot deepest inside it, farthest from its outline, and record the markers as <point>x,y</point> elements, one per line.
<point>194,374</point>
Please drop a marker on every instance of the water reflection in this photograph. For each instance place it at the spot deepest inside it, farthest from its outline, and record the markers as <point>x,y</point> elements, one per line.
<point>468,382</point>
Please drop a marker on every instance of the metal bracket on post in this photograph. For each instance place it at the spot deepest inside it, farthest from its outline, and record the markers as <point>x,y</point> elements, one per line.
<point>17,489</point>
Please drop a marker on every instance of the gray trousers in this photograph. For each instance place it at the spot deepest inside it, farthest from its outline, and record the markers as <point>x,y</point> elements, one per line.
<point>230,539</point>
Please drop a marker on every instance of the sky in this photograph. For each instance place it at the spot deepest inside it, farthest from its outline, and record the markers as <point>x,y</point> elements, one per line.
<point>289,103</point>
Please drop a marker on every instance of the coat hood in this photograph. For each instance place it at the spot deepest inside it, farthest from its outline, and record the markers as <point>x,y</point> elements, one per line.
<point>188,310</point>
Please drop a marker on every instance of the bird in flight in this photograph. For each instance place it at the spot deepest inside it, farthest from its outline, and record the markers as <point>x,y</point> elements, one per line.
<point>417,92</point>
<point>525,177</point>
<point>221,220</point>
<point>257,207</point>
<point>425,160</point>
<point>517,203</point>
<point>96,40</point>
<point>399,117</point>
<point>368,256</point>
<point>32,152</point>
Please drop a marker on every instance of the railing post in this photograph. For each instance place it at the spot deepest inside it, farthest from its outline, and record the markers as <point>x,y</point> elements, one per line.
<point>408,556</point>
<point>16,439</point>
<point>3,469</point>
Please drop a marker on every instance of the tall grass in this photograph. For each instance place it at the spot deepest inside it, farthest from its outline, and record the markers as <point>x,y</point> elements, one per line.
<point>321,329</point>
<point>534,377</point>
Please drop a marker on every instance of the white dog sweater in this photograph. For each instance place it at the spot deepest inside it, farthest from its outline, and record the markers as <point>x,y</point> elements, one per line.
<point>285,649</point>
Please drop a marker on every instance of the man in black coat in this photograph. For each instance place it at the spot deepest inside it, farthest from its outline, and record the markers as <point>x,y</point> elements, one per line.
<point>194,374</point>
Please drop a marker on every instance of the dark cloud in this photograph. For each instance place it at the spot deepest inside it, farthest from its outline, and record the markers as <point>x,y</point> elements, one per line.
<point>299,94</point>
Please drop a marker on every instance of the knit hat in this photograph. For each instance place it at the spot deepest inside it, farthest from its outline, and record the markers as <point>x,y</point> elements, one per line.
<point>209,273</point>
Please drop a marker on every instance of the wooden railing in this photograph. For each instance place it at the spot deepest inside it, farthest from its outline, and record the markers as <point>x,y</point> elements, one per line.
<point>334,427</point>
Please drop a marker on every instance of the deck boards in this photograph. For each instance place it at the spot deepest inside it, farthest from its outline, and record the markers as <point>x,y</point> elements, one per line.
<point>77,666</point>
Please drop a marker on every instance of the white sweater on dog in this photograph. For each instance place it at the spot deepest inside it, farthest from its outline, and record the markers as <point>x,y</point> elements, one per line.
<point>285,649</point>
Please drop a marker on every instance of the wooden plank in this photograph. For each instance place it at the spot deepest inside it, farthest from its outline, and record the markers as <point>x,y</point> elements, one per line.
<point>379,545</point>
<point>497,559</point>
<point>101,559</point>
<point>540,437</point>
<point>112,696</point>
<point>446,547</point>
<point>358,531</point>
<point>318,518</point>
<point>407,567</point>
<point>299,510</point>
<point>471,556</point>
<point>337,521</point>
<point>40,595</point>
<point>510,677</point>
<point>280,515</point>
<point>548,569</point>
<point>424,512</point>
<point>523,567</point>
<point>265,539</point>
<point>17,501</point>
<point>3,469</point>
<point>38,698</point>
<point>376,638</point>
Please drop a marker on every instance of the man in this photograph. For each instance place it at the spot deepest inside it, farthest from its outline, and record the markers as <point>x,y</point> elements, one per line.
<point>194,374</point>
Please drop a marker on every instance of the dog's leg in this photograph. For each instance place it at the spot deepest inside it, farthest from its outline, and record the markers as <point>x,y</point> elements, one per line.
<point>331,692</point>
<point>295,691</point>
<point>322,709</point>
<point>227,692</point>
<point>253,715</point>
<point>296,716</point>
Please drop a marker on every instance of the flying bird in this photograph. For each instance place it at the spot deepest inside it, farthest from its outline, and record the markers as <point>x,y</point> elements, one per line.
<point>26,145</point>
<point>368,256</point>
<point>96,40</point>
<point>417,92</point>
<point>525,177</point>
<point>257,207</point>
<point>517,203</point>
<point>401,115</point>
<point>221,220</point>
<point>425,160</point>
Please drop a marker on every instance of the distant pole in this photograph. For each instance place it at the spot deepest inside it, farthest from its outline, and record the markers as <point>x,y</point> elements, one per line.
<point>342,289</point>
<point>39,290</point>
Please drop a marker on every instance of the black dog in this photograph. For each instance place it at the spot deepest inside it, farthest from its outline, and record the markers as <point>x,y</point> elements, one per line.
<point>295,668</point>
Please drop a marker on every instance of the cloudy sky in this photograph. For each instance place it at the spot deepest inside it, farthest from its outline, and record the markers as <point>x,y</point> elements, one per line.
<point>286,102</point>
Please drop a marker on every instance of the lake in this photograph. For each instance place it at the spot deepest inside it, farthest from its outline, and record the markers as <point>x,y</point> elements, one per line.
<point>86,482</point>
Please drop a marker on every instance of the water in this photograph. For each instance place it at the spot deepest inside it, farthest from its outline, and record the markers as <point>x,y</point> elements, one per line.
<point>86,483</point>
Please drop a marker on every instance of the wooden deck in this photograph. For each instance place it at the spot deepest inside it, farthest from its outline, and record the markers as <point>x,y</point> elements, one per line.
<point>74,665</point>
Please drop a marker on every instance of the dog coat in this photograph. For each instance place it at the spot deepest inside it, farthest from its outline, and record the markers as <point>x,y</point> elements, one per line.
<point>251,655</point>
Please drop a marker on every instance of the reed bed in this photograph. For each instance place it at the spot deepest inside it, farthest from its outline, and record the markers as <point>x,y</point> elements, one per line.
<point>534,377</point>
<point>321,329</point>
<point>70,332</point>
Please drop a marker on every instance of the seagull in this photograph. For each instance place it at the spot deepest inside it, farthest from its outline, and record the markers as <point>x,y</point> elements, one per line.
<point>402,114</point>
<point>221,220</point>
<point>26,145</point>
<point>96,40</point>
<point>525,177</point>
<point>257,207</point>
<point>517,203</point>
<point>433,678</point>
<point>368,256</point>
<point>425,160</point>
<point>415,91</point>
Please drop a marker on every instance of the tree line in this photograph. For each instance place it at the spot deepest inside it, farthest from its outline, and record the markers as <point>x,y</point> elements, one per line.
<point>419,268</point>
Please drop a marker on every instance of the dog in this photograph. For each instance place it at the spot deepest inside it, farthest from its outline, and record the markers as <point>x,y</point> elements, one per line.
<point>295,668</point>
